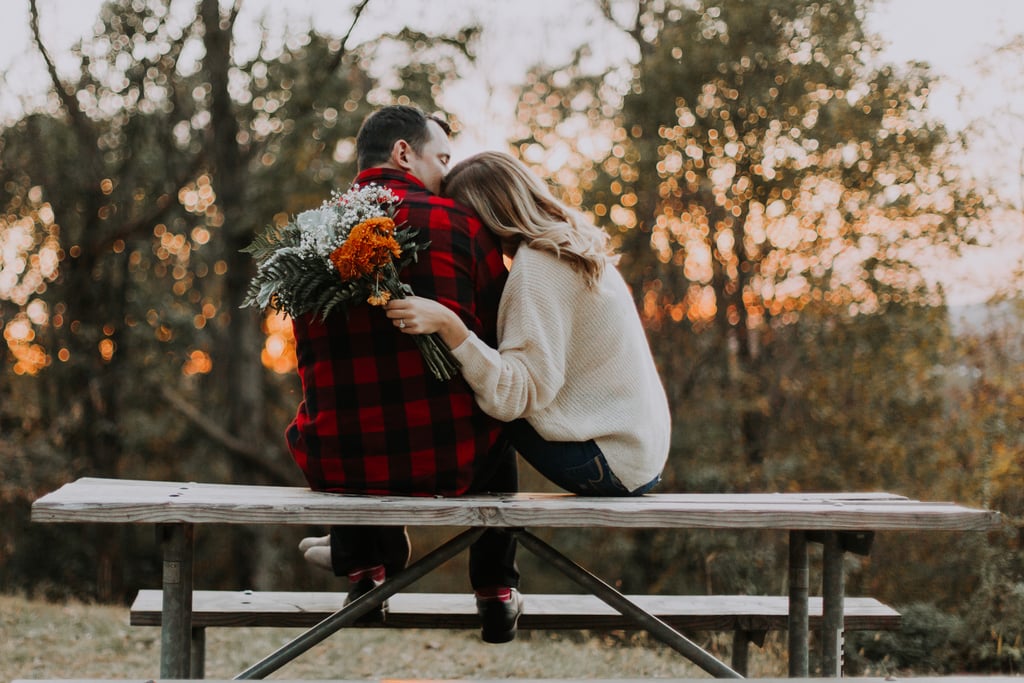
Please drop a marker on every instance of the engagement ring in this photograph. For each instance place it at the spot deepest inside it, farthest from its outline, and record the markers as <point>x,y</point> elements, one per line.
<point>401,324</point>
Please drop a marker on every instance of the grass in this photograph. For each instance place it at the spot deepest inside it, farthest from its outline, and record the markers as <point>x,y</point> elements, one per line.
<point>47,640</point>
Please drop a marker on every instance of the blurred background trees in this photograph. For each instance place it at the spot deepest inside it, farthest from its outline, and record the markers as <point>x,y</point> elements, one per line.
<point>772,198</point>
<point>127,202</point>
<point>773,188</point>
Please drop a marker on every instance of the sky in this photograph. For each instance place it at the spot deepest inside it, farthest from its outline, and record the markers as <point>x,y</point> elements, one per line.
<point>951,35</point>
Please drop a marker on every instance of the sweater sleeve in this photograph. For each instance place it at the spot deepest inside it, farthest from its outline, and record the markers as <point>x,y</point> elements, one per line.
<point>527,370</point>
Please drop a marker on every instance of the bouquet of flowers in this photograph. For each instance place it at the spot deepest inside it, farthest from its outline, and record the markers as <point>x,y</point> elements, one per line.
<point>345,252</point>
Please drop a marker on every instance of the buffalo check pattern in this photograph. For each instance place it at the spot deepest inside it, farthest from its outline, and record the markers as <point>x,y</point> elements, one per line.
<point>373,419</point>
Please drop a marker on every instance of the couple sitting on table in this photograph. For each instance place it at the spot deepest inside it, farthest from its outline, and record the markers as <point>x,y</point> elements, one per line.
<point>555,364</point>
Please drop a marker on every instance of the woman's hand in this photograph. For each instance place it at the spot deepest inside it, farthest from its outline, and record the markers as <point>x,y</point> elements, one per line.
<point>416,315</point>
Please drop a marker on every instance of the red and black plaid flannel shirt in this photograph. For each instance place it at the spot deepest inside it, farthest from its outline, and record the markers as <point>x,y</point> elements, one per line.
<point>373,419</point>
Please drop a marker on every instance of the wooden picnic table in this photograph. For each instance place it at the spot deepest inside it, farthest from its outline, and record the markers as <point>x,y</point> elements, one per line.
<point>840,521</point>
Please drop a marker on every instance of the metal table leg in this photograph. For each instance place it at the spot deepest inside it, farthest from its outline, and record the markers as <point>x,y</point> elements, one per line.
<point>348,614</point>
<point>198,653</point>
<point>740,651</point>
<point>655,626</point>
<point>832,607</point>
<point>176,541</point>
<point>798,619</point>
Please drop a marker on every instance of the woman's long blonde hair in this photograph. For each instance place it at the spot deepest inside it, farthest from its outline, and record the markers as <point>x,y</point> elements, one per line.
<point>515,204</point>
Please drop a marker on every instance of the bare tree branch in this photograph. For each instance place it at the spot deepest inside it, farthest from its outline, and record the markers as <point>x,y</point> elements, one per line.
<point>355,18</point>
<point>78,119</point>
<point>270,462</point>
<point>234,14</point>
<point>340,54</point>
<point>256,149</point>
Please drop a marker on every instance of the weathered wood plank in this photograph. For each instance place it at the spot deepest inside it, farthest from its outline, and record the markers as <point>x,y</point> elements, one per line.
<point>923,679</point>
<point>128,501</point>
<point>542,611</point>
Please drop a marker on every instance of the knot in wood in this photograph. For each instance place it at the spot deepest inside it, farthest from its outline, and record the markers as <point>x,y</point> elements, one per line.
<point>489,515</point>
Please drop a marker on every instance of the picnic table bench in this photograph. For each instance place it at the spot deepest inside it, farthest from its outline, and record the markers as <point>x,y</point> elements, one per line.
<point>748,617</point>
<point>840,521</point>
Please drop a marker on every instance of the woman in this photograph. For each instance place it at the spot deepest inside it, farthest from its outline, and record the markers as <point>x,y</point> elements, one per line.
<point>573,374</point>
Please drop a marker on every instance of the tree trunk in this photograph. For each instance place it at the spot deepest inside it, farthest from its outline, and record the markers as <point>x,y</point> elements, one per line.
<point>237,352</point>
<point>238,349</point>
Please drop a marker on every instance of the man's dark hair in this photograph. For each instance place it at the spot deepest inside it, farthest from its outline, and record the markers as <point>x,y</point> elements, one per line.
<point>384,127</point>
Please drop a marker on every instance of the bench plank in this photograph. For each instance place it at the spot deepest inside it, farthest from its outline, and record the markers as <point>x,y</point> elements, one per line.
<point>542,611</point>
<point>981,678</point>
<point>128,501</point>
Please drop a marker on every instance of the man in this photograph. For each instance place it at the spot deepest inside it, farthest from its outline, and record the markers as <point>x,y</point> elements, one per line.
<point>373,419</point>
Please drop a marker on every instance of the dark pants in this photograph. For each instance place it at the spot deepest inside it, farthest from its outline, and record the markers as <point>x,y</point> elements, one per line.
<point>492,558</point>
<point>577,466</point>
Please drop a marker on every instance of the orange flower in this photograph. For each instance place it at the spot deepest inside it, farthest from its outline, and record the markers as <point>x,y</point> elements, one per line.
<point>369,246</point>
<point>381,224</point>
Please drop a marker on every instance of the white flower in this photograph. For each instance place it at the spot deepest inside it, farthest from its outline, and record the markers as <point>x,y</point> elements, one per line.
<point>324,229</point>
<point>313,219</point>
<point>317,230</point>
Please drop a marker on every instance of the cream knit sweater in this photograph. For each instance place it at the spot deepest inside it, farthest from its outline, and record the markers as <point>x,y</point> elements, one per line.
<point>575,363</point>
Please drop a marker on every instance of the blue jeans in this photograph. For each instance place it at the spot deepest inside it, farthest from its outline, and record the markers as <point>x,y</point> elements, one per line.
<point>576,466</point>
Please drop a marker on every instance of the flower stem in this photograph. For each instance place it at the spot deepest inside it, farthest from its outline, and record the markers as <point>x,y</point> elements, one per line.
<point>436,354</point>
